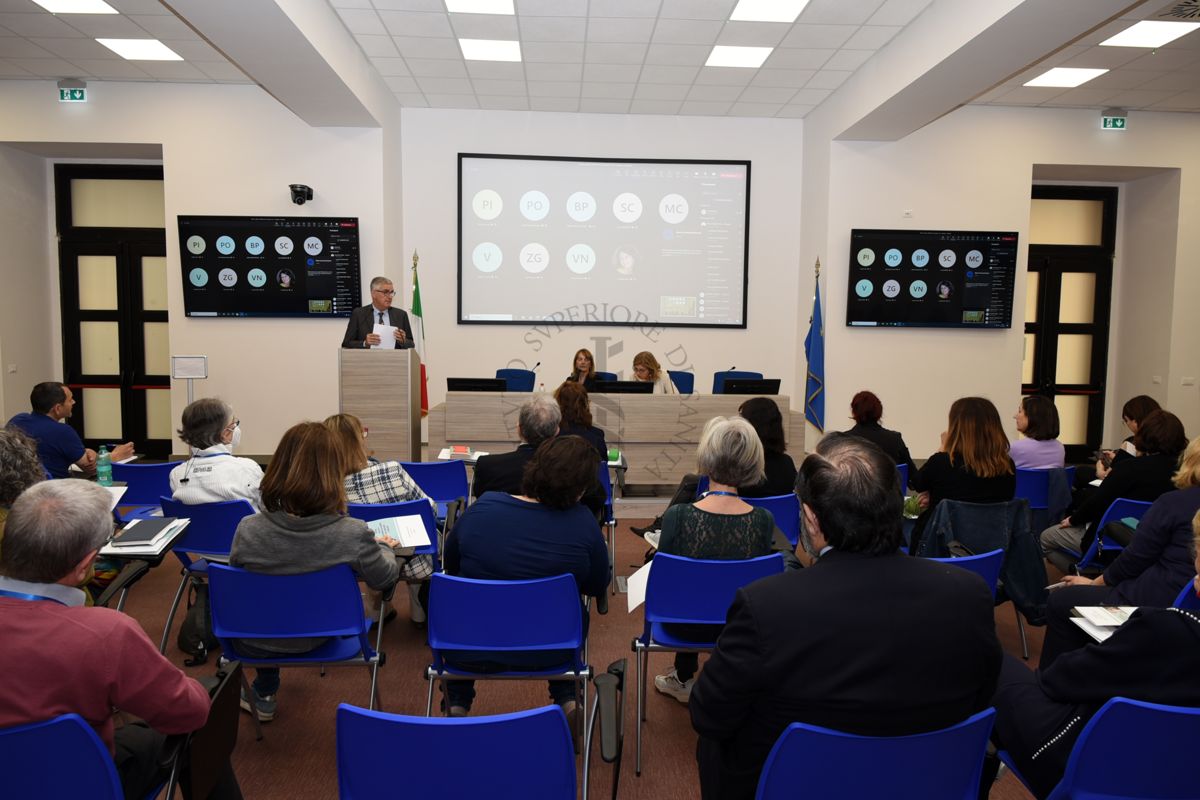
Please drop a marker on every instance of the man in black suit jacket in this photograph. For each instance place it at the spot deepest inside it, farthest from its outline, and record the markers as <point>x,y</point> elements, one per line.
<point>380,312</point>
<point>867,641</point>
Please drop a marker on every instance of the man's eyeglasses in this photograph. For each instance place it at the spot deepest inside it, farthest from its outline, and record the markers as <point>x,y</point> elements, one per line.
<point>388,292</point>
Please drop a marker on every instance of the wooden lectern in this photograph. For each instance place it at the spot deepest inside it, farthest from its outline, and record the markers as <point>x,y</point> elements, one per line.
<point>383,389</point>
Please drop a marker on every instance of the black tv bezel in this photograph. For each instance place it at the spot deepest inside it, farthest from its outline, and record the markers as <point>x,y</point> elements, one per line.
<point>608,323</point>
<point>766,387</point>
<point>622,387</point>
<point>492,385</point>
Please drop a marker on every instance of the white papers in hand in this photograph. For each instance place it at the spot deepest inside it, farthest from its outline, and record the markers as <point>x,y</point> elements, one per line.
<point>637,586</point>
<point>408,530</point>
<point>387,337</point>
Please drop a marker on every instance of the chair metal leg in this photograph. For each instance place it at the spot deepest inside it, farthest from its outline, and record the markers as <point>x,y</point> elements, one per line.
<point>429,695</point>
<point>1021,629</point>
<point>162,645</point>
<point>612,557</point>
<point>121,603</point>
<point>589,732</point>
<point>247,691</point>
<point>642,657</point>
<point>373,702</point>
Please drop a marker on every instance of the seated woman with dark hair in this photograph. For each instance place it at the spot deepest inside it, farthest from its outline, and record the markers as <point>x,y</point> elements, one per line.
<point>720,525</point>
<point>764,415</point>
<point>540,533</point>
<point>572,401</point>
<point>1037,421</point>
<point>1133,414</point>
<point>214,474</point>
<point>866,410</point>
<point>304,528</point>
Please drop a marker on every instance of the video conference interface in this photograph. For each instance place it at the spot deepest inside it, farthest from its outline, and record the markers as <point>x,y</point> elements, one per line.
<point>901,278</point>
<point>660,242</point>
<point>269,266</point>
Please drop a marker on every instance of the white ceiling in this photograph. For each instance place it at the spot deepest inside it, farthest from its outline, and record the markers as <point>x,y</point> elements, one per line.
<point>616,56</point>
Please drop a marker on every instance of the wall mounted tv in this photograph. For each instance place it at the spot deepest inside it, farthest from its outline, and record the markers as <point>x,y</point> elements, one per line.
<point>931,279</point>
<point>602,241</point>
<point>269,266</point>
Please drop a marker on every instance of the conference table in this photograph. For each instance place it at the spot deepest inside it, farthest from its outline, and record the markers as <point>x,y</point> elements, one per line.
<point>656,433</point>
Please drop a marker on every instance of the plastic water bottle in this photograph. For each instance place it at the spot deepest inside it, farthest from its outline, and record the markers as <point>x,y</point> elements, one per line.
<point>103,467</point>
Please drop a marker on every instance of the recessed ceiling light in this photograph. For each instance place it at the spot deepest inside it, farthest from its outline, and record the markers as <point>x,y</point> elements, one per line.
<point>724,55</point>
<point>1150,33</point>
<point>480,6</point>
<point>768,10</point>
<point>1065,77</point>
<point>141,49</point>
<point>76,6</point>
<point>490,50</point>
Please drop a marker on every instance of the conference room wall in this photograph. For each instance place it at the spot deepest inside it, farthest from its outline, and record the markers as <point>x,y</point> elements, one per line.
<point>434,137</point>
<point>230,150</point>
<point>972,170</point>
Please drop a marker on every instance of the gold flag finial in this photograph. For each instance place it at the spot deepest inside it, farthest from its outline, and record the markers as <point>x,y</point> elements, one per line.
<point>416,258</point>
<point>818,267</point>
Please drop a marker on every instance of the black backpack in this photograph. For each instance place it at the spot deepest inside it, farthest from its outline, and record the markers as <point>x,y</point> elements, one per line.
<point>196,633</point>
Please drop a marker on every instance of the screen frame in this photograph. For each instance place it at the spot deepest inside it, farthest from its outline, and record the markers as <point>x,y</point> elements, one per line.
<point>632,323</point>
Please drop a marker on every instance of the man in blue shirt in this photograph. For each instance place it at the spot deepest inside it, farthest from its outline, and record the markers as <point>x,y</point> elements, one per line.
<point>59,446</point>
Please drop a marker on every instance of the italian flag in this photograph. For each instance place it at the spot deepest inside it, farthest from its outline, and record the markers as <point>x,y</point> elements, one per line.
<point>418,326</point>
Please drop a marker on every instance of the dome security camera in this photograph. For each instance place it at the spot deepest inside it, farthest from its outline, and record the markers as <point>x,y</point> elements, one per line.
<point>301,193</point>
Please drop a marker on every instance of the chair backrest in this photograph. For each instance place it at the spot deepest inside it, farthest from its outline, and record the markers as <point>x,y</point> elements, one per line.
<point>421,508</point>
<point>685,382</point>
<point>1120,509</point>
<point>1119,753</point>
<point>903,470</point>
<point>506,757</point>
<point>516,616</point>
<point>517,380</point>
<point>212,525</point>
<point>1034,486</point>
<point>701,485</point>
<point>144,483</point>
<point>1187,598</point>
<point>830,764</point>
<point>606,376</point>
<point>210,747</point>
<point>719,378</point>
<point>606,483</point>
<point>60,757</point>
<point>786,510</point>
<point>252,605</point>
<point>985,565</point>
<point>699,590</point>
<point>442,480</point>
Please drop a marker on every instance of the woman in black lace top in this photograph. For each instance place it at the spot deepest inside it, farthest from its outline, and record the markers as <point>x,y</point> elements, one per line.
<point>717,526</point>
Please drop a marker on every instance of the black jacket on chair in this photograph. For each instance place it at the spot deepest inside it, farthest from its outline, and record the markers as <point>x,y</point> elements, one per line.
<point>363,321</point>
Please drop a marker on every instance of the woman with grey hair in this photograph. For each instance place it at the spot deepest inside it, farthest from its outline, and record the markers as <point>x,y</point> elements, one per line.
<point>19,468</point>
<point>719,525</point>
<point>213,473</point>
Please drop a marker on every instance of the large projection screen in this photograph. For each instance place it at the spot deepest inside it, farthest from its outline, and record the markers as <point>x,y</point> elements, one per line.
<point>597,241</point>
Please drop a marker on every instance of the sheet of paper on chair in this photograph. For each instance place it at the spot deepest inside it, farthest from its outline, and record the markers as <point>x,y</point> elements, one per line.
<point>387,337</point>
<point>408,530</point>
<point>116,492</point>
<point>1105,616</point>
<point>637,586</point>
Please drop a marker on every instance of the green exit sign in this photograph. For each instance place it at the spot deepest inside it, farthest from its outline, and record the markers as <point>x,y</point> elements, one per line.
<point>1112,123</point>
<point>72,95</point>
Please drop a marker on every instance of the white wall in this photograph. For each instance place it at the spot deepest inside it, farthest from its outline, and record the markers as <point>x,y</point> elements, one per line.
<point>432,140</point>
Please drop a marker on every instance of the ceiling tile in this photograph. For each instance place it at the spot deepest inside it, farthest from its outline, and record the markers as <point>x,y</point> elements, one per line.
<point>848,59</point>
<point>171,70</point>
<point>496,70</point>
<point>789,58</point>
<point>365,21</point>
<point>485,26</point>
<point>1057,58</point>
<point>763,94</point>
<point>553,29</point>
<point>552,51</point>
<point>617,73</point>
<point>402,84</point>
<point>755,109</point>
<point>787,78</point>
<point>692,55</point>
<point>687,31</point>
<point>623,8</point>
<point>554,88</point>
<point>1118,79</point>
<point>452,101</point>
<point>623,91</point>
<point>436,68</point>
<point>603,105</point>
<point>120,69</point>
<point>112,26</point>
<point>1172,81</point>
<point>222,71</point>
<point>753,34</point>
<point>1184,101</point>
<point>828,79</point>
<point>445,86</point>
<point>1166,58</point>
<point>898,12</point>
<point>665,107</point>
<point>498,88</point>
<point>47,67</point>
<point>1084,96</point>
<point>662,73</point>
<point>839,12</point>
<point>350,4</point>
<point>427,47</point>
<point>416,23</point>
<point>699,108</point>
<point>412,100</point>
<point>72,49</point>
<point>714,93</point>
<point>552,8</point>
<point>10,70</point>
<point>697,9</point>
<point>165,28</point>
<point>807,37</point>
<point>1102,57</point>
<point>377,46</point>
<point>601,53</point>
<point>725,76</point>
<point>196,51</point>
<point>872,37</point>
<point>1138,98</point>
<point>140,7</point>
<point>25,48</point>
<point>389,67</point>
<point>431,6</point>
<point>554,103</point>
<point>504,103</point>
<point>794,112</point>
<point>661,91</point>
<point>1030,95</point>
<point>620,30</point>
<point>44,25</point>
<point>810,97</point>
<point>550,71</point>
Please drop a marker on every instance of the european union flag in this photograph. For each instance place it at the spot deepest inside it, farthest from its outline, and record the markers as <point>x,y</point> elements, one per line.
<point>814,351</point>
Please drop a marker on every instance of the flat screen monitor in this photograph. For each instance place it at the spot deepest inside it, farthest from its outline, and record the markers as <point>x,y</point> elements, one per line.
<point>602,241</point>
<point>476,384</point>
<point>623,387</point>
<point>752,386</point>
<point>931,279</point>
<point>269,266</point>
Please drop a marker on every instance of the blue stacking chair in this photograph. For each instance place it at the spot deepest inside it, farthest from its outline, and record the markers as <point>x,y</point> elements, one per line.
<point>701,486</point>
<point>689,591</point>
<point>786,510</point>
<point>985,565</point>
<point>685,382</point>
<point>144,485</point>
<point>1034,485</point>
<point>517,380</point>
<point>903,470</point>
<point>606,376</point>
<point>530,616</point>
<point>1122,754</point>
<point>719,378</point>
<point>368,512</point>
<point>209,535</point>
<point>526,754</point>
<point>610,520</point>
<point>832,765</point>
<point>445,482</point>
<point>1121,508</point>
<point>1187,598</point>
<point>326,604</point>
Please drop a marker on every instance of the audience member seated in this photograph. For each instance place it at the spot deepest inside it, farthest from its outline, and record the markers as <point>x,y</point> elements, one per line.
<point>214,474</point>
<point>764,415</point>
<point>539,532</point>
<point>19,469</point>
<point>1037,420</point>
<point>1154,657</point>
<point>60,658</point>
<point>583,369</point>
<point>303,528</point>
<point>717,526</point>
<point>577,416</point>
<point>867,641</point>
<point>973,465</point>
<point>647,368</point>
<point>380,482</point>
<point>59,446</point>
<point>866,410</point>
<point>1159,441</point>
<point>1149,572</point>
<point>1133,414</point>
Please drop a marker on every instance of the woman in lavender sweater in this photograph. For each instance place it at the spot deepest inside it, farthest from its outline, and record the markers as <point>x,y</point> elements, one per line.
<point>1037,420</point>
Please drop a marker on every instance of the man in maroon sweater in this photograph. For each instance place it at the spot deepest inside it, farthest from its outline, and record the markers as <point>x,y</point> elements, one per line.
<point>59,657</point>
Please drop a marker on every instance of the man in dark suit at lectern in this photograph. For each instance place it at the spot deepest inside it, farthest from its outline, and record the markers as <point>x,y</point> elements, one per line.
<point>380,312</point>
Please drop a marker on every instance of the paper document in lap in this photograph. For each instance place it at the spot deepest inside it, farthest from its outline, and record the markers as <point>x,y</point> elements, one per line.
<point>408,530</point>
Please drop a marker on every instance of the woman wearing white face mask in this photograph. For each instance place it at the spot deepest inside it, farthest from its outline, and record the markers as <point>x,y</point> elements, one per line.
<point>213,473</point>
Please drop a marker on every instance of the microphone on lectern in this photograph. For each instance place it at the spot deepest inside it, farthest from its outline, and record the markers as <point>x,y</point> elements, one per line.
<point>731,369</point>
<point>535,366</point>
